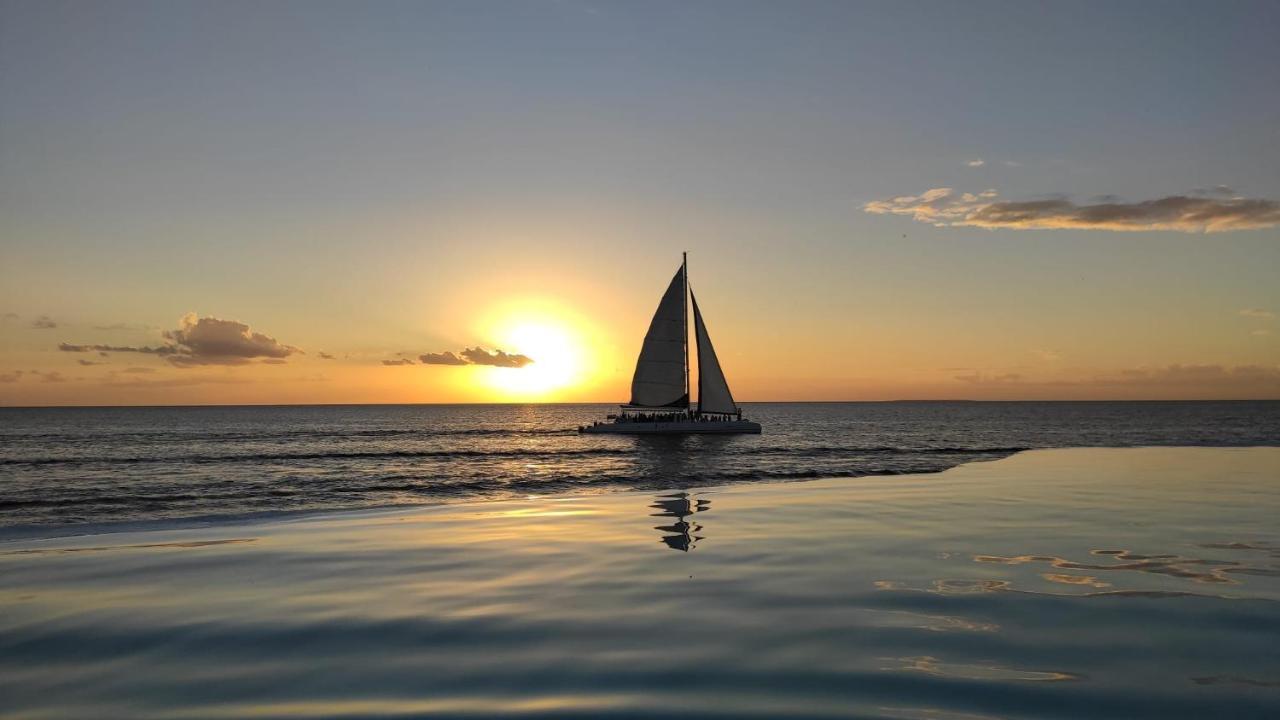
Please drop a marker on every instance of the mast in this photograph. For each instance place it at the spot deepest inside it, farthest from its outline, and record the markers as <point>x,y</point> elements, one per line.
<point>684,301</point>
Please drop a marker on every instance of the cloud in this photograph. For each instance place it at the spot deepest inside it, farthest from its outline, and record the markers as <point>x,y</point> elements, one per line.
<point>943,207</point>
<point>976,163</point>
<point>399,361</point>
<point>210,341</point>
<point>11,377</point>
<point>204,341</point>
<point>1257,313</point>
<point>324,355</point>
<point>480,356</point>
<point>1261,333</point>
<point>138,370</point>
<point>90,362</point>
<point>477,356</point>
<point>44,322</point>
<point>441,358</point>
<point>9,316</point>
<point>53,376</point>
<point>1047,355</point>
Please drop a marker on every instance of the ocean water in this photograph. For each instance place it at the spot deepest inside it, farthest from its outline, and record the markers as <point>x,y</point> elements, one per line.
<point>1050,584</point>
<point>77,469</point>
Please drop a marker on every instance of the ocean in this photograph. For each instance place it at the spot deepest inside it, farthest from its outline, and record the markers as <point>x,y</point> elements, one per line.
<point>87,469</point>
<point>895,561</point>
<point>1116,583</point>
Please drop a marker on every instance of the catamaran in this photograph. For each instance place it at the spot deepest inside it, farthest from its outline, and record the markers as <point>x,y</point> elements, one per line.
<point>660,387</point>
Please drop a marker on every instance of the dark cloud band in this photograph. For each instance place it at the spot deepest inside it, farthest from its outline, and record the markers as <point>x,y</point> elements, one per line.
<point>497,358</point>
<point>441,358</point>
<point>473,356</point>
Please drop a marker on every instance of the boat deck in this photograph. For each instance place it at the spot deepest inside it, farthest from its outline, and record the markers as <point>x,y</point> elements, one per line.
<point>680,427</point>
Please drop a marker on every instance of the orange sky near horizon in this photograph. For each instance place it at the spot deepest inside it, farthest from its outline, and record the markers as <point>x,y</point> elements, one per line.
<point>583,345</point>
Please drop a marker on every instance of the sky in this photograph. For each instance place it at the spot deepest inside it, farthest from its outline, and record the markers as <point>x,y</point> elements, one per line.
<point>240,202</point>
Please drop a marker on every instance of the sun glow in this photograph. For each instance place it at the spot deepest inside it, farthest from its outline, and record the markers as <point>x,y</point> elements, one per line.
<point>563,358</point>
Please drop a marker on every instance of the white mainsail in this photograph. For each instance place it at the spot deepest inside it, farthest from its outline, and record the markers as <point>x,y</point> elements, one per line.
<point>713,389</point>
<point>660,372</point>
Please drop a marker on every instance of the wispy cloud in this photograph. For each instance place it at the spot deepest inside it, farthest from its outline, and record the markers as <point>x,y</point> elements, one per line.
<point>399,361</point>
<point>1220,190</point>
<point>11,377</point>
<point>204,341</point>
<point>979,378</point>
<point>1260,333</point>
<point>125,326</point>
<point>1257,313</point>
<point>184,380</point>
<point>44,322</point>
<point>1211,375</point>
<point>160,350</point>
<point>324,355</point>
<point>976,163</point>
<point>944,207</point>
<point>1261,380</point>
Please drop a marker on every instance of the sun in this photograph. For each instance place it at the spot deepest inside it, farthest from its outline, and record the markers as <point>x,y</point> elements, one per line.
<point>554,340</point>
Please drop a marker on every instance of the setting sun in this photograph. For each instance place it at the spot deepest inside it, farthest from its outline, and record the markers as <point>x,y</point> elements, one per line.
<point>558,342</point>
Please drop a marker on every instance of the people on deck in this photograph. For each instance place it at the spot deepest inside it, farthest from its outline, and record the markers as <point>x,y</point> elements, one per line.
<point>684,416</point>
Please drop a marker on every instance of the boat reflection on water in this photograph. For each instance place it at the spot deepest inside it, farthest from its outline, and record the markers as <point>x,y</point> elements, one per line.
<point>682,534</point>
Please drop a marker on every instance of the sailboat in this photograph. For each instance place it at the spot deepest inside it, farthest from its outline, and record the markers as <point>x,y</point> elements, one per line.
<point>660,387</point>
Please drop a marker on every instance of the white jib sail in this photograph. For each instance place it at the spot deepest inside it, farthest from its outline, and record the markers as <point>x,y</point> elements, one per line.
<point>660,377</point>
<point>713,389</point>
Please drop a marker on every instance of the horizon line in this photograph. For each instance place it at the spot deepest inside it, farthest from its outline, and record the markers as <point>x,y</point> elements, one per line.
<point>747,402</point>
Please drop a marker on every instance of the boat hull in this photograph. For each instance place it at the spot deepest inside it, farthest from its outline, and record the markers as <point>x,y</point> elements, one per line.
<point>712,427</point>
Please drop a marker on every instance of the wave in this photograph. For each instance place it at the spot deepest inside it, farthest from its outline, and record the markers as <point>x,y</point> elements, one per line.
<point>327,494</point>
<point>269,457</point>
<point>495,454</point>
<point>204,436</point>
